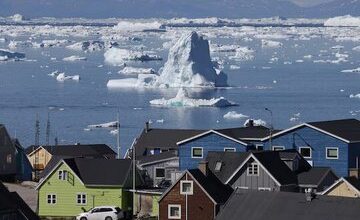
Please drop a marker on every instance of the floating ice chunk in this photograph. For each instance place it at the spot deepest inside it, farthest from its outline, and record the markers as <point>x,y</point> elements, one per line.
<point>87,46</point>
<point>234,115</point>
<point>61,77</point>
<point>74,58</point>
<point>243,54</point>
<point>19,44</point>
<point>114,132</point>
<point>128,26</point>
<point>270,44</point>
<point>160,121</point>
<point>54,73</point>
<point>234,67</point>
<point>182,100</point>
<point>357,49</point>
<point>117,56</point>
<point>355,96</point>
<point>189,65</point>
<point>287,62</point>
<point>343,21</point>
<point>299,61</point>
<point>256,122</point>
<point>136,71</point>
<point>17,17</point>
<point>11,55</point>
<point>112,124</point>
<point>2,39</point>
<point>308,56</point>
<point>357,70</point>
<point>143,80</point>
<point>341,55</point>
<point>337,47</point>
<point>4,58</point>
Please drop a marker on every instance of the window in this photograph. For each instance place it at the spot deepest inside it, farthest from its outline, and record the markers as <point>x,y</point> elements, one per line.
<point>51,199</point>
<point>197,152</point>
<point>253,169</point>
<point>63,174</point>
<point>159,172</point>
<point>8,158</point>
<point>277,148</point>
<point>81,199</point>
<point>229,149</point>
<point>218,166</point>
<point>305,152</point>
<point>264,189</point>
<point>332,153</point>
<point>168,173</point>
<point>259,147</point>
<point>174,211</point>
<point>186,187</point>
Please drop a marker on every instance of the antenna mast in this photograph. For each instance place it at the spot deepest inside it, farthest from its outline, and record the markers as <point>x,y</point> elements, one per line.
<point>37,131</point>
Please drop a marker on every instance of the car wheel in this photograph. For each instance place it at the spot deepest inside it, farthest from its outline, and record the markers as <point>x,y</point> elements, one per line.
<point>83,218</point>
<point>108,218</point>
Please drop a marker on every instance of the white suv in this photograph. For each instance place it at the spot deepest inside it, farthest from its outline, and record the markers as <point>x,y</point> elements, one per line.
<point>102,213</point>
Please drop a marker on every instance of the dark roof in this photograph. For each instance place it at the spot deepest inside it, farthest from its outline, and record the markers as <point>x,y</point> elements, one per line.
<point>212,185</point>
<point>313,176</point>
<point>348,129</point>
<point>230,162</point>
<point>157,157</point>
<point>105,172</point>
<point>51,164</point>
<point>162,138</point>
<point>278,169</point>
<point>250,132</point>
<point>256,205</point>
<point>11,201</point>
<point>353,181</point>
<point>93,150</point>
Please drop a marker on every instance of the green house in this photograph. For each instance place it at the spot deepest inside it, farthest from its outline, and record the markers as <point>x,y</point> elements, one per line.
<point>78,184</point>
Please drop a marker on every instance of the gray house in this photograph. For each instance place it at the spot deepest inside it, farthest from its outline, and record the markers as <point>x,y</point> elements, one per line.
<point>7,156</point>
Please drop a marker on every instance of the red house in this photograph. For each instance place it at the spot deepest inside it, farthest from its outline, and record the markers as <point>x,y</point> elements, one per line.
<point>197,194</point>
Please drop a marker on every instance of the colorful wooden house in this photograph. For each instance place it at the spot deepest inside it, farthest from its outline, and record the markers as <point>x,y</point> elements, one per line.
<point>79,184</point>
<point>344,187</point>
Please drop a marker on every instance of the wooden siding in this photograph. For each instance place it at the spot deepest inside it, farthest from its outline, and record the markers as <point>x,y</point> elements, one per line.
<point>210,142</point>
<point>43,158</point>
<point>263,180</point>
<point>344,190</point>
<point>199,205</point>
<point>318,141</point>
<point>66,192</point>
<point>168,165</point>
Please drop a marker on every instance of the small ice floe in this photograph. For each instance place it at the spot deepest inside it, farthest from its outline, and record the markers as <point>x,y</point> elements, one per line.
<point>337,47</point>
<point>234,67</point>
<point>299,61</point>
<point>136,71</point>
<point>74,58</point>
<point>53,58</point>
<point>342,90</point>
<point>287,62</point>
<point>243,54</point>
<point>274,59</point>
<point>357,49</point>
<point>270,44</point>
<point>112,124</point>
<point>3,39</point>
<point>11,55</point>
<point>295,117</point>
<point>87,129</point>
<point>19,44</point>
<point>117,56</point>
<point>274,81</point>
<point>87,46</point>
<point>357,70</point>
<point>61,77</point>
<point>137,108</point>
<point>255,122</point>
<point>234,115</point>
<point>182,100</point>
<point>308,56</point>
<point>265,67</point>
<point>114,132</point>
<point>161,121</point>
<point>355,96</point>
<point>54,73</point>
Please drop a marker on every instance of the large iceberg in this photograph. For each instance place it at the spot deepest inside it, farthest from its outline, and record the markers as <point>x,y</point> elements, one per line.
<point>188,65</point>
<point>182,99</point>
<point>343,21</point>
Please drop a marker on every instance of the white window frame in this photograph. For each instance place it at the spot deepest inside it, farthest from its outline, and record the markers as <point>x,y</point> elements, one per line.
<point>252,168</point>
<point>259,145</point>
<point>169,211</point>
<point>181,187</point>
<point>332,148</point>
<point>52,195</point>
<point>81,199</point>
<point>282,148</point>
<point>305,147</point>
<point>159,168</point>
<point>242,187</point>
<point>233,149</point>
<point>196,157</point>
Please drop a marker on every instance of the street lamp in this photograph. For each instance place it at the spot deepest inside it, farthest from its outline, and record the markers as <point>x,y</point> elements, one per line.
<point>271,122</point>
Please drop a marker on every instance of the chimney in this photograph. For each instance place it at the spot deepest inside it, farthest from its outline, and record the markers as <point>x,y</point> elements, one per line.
<point>204,167</point>
<point>147,127</point>
<point>250,123</point>
<point>309,194</point>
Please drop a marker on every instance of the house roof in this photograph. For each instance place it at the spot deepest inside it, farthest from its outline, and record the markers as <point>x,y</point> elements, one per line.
<point>12,201</point>
<point>247,133</point>
<point>93,150</point>
<point>286,205</point>
<point>157,158</point>
<point>213,132</point>
<point>162,138</point>
<point>314,176</point>
<point>347,130</point>
<point>352,181</point>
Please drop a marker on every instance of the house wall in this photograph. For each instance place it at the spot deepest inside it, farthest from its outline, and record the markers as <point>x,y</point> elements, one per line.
<point>199,205</point>
<point>7,156</point>
<point>263,180</point>
<point>306,136</point>
<point>171,165</point>
<point>43,158</point>
<point>354,155</point>
<point>66,192</point>
<point>344,190</point>
<point>147,204</point>
<point>210,142</point>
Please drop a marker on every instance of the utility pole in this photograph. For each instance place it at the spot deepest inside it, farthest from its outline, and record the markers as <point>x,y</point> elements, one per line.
<point>118,137</point>
<point>48,129</point>
<point>271,126</point>
<point>134,174</point>
<point>37,143</point>
<point>37,131</point>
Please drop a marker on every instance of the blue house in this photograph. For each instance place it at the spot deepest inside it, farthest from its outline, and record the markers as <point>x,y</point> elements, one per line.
<point>334,144</point>
<point>195,149</point>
